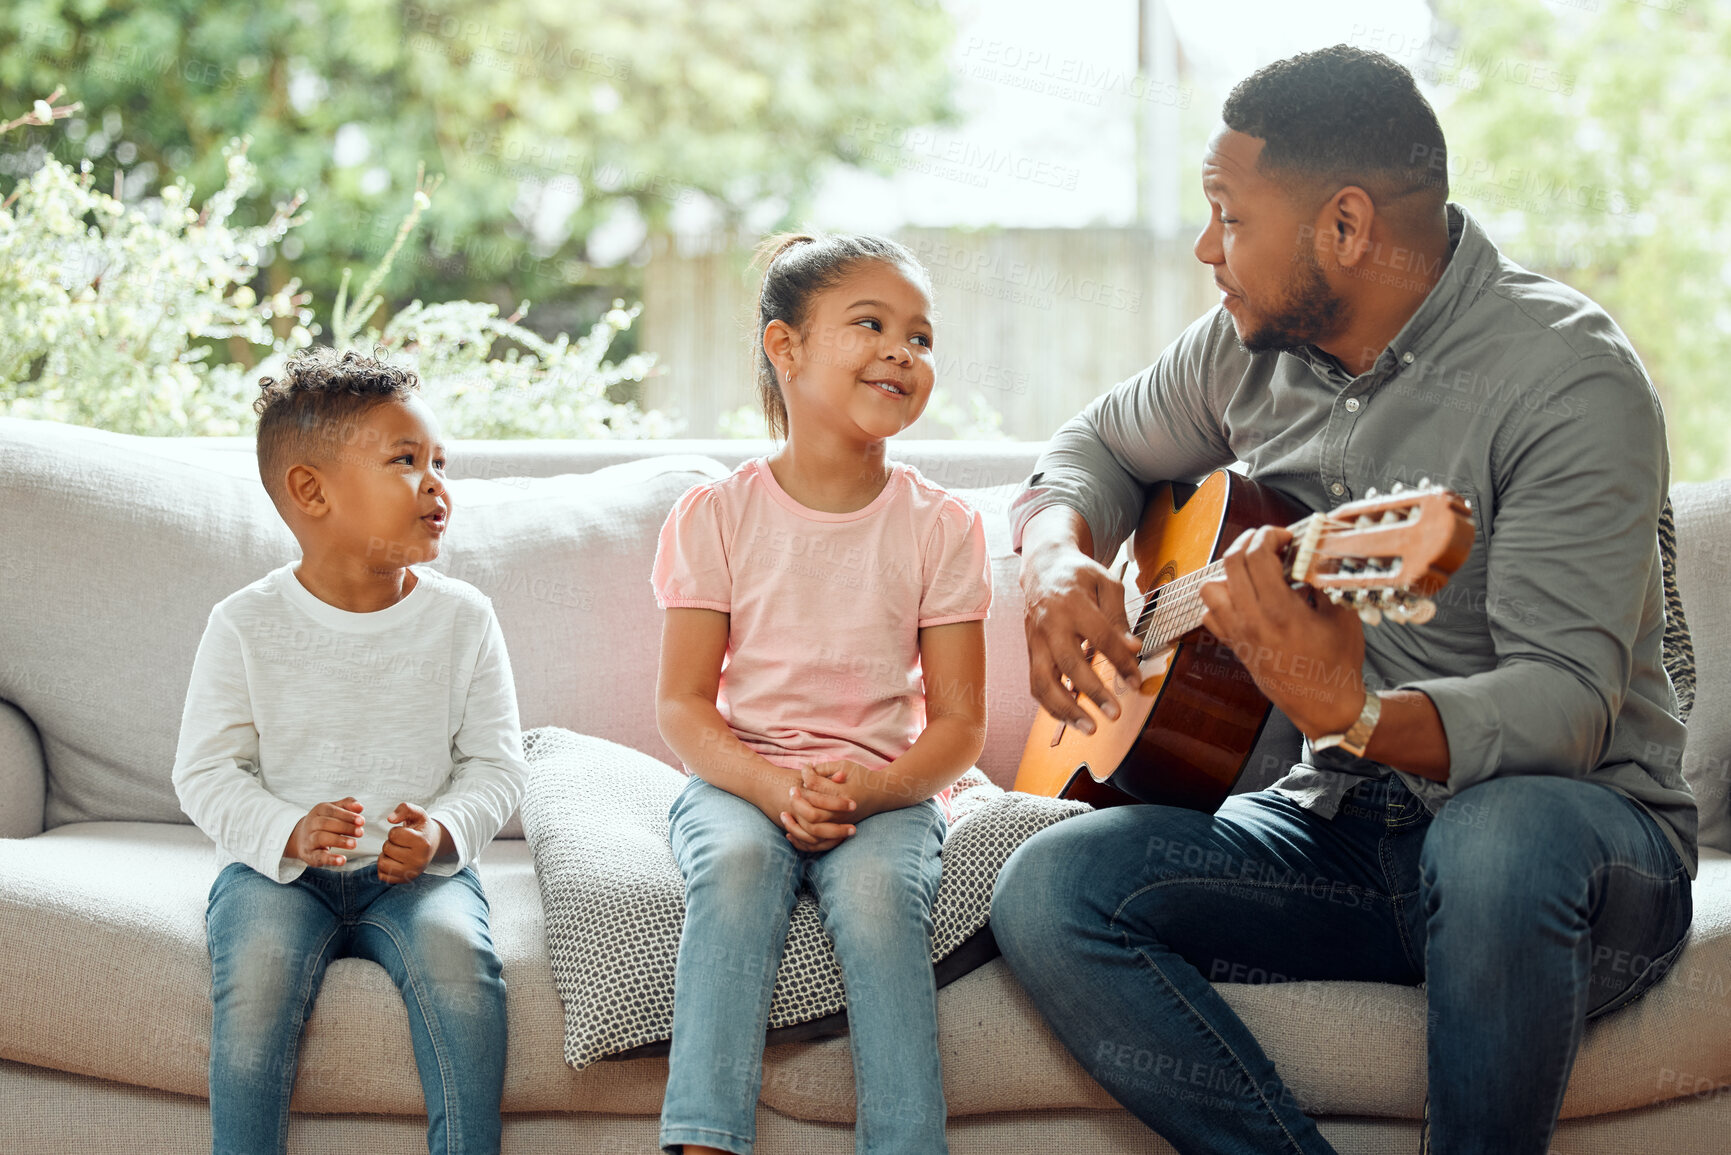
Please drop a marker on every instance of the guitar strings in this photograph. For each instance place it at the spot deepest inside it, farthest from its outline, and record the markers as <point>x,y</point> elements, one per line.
<point>1170,611</point>
<point>1172,605</point>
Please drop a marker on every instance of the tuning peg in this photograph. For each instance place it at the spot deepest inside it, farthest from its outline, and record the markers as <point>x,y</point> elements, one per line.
<point>1369,614</point>
<point>1335,595</point>
<point>1398,613</point>
<point>1399,487</point>
<point>1420,611</point>
<point>1424,483</point>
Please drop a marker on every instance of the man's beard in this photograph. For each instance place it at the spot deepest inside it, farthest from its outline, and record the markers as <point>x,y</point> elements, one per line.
<point>1312,312</point>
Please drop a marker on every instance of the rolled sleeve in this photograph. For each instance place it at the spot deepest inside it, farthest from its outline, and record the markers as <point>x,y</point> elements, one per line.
<point>1572,553</point>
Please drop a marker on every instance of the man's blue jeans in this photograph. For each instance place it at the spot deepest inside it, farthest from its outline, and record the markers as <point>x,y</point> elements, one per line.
<point>270,943</point>
<point>1526,906</point>
<point>875,893</point>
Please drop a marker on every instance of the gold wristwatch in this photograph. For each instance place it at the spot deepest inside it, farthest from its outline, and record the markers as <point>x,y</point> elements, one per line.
<point>1354,740</point>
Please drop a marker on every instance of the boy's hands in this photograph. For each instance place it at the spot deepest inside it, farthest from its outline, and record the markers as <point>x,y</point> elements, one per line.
<point>324,831</point>
<point>332,827</point>
<point>412,843</point>
<point>819,808</point>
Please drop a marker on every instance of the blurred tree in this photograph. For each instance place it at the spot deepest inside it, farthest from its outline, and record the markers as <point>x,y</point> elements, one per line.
<point>564,128</point>
<point>1595,140</point>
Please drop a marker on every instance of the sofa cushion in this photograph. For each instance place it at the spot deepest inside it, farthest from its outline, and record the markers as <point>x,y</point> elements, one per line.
<point>596,815</point>
<point>1344,1048</point>
<point>107,973</point>
<point>117,547</point>
<point>1703,514</point>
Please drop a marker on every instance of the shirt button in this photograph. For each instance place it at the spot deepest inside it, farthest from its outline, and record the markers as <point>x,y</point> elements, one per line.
<point>1406,358</point>
<point>1352,405</point>
<point>1337,489</point>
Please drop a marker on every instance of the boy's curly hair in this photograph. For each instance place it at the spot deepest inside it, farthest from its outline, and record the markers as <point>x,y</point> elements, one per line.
<point>309,413</point>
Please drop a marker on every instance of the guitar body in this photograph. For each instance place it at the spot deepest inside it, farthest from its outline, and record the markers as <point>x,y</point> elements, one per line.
<point>1186,729</point>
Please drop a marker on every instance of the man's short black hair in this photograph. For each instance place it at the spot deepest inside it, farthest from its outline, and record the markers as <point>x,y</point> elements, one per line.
<point>1343,116</point>
<point>309,413</point>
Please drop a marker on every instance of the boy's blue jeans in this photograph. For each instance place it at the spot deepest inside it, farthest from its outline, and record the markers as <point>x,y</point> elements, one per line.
<point>1526,906</point>
<point>875,892</point>
<point>270,943</point>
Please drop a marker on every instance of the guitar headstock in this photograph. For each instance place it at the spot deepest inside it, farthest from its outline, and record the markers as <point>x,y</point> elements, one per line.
<point>1385,554</point>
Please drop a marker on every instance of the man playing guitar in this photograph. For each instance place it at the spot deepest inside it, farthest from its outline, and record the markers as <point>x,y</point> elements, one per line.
<point>1491,805</point>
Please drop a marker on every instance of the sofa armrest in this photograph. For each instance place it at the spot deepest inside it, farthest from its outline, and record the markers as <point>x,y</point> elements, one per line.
<point>23,774</point>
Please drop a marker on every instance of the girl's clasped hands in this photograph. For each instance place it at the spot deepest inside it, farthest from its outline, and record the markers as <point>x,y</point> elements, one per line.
<point>827,791</point>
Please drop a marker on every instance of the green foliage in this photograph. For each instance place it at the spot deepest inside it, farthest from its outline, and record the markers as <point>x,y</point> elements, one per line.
<point>104,304</point>
<point>535,388</point>
<point>105,307</point>
<point>549,119</point>
<point>1610,169</point>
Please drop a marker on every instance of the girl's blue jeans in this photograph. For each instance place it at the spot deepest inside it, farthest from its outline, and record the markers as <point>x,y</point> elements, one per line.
<point>875,893</point>
<point>1526,906</point>
<point>270,943</point>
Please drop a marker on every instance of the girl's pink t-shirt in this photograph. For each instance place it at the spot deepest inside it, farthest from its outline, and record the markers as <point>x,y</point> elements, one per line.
<point>823,657</point>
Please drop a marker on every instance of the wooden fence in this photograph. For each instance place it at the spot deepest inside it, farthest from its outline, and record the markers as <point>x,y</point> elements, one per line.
<point>1035,321</point>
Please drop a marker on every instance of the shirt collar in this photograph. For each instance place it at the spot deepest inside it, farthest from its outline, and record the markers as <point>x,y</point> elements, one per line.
<point>1473,264</point>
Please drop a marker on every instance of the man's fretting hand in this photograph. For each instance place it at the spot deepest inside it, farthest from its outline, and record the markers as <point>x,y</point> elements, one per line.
<point>321,835</point>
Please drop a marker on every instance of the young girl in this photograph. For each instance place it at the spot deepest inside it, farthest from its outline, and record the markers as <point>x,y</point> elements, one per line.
<point>846,593</point>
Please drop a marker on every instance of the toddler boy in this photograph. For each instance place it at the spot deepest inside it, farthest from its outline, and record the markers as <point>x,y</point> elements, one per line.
<point>350,742</point>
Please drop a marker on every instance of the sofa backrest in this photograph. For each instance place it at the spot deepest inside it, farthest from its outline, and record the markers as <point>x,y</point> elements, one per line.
<point>116,547</point>
<point>113,549</point>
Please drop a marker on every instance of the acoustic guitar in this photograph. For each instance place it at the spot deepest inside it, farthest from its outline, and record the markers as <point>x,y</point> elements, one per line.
<point>1186,727</point>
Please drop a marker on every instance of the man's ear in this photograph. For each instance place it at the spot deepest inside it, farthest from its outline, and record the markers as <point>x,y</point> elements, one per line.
<point>1343,226</point>
<point>306,491</point>
<point>781,344</point>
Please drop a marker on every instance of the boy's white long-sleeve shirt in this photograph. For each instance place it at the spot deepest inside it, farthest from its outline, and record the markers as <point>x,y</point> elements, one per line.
<point>294,702</point>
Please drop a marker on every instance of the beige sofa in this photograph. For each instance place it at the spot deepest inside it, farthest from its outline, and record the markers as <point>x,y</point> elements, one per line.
<point>113,549</point>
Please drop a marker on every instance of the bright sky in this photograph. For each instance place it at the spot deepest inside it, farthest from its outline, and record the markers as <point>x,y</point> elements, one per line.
<point>1050,105</point>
